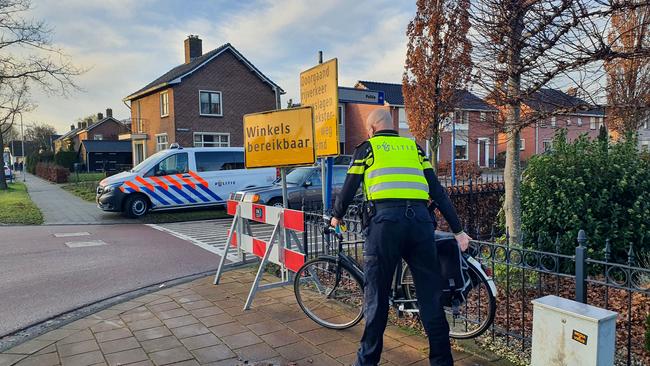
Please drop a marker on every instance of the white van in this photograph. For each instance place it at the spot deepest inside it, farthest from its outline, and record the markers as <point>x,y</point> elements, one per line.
<point>180,178</point>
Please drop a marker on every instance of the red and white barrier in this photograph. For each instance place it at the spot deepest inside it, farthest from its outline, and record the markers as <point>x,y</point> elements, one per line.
<point>279,253</point>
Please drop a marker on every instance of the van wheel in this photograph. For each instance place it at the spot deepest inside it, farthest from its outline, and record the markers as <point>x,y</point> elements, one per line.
<point>276,202</point>
<point>136,206</point>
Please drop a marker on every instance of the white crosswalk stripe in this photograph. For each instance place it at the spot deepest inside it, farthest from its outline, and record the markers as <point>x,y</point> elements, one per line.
<point>211,235</point>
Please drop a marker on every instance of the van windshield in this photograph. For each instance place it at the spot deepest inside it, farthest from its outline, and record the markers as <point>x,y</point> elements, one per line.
<point>146,161</point>
<point>299,175</point>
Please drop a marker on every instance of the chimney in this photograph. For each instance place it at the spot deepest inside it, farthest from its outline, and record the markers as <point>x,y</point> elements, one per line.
<point>78,124</point>
<point>109,112</point>
<point>71,127</point>
<point>193,48</point>
<point>100,116</point>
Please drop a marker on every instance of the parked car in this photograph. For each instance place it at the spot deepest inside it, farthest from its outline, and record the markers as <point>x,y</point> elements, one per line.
<point>302,184</point>
<point>180,178</point>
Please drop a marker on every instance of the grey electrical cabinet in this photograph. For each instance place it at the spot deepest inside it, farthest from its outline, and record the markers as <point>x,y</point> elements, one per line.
<point>570,333</point>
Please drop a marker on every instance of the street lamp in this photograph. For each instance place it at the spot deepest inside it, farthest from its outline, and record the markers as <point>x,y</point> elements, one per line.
<point>22,142</point>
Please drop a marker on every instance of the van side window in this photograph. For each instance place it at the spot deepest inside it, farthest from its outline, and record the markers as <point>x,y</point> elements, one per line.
<point>339,176</point>
<point>209,161</point>
<point>174,164</point>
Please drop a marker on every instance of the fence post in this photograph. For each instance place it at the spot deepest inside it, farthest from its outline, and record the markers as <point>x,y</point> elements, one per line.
<point>581,276</point>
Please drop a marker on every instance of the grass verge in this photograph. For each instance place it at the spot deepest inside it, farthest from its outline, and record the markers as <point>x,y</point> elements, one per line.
<point>17,208</point>
<point>85,177</point>
<point>86,191</point>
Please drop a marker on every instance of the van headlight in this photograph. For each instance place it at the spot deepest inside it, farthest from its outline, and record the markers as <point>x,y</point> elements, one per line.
<point>111,187</point>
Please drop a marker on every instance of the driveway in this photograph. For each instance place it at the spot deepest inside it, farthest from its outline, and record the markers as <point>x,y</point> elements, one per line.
<point>61,207</point>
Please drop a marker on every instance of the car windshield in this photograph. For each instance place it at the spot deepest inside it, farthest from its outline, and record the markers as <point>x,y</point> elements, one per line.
<point>298,175</point>
<point>146,161</point>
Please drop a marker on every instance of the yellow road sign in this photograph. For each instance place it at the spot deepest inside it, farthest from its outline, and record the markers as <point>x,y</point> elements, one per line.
<point>319,89</point>
<point>279,138</point>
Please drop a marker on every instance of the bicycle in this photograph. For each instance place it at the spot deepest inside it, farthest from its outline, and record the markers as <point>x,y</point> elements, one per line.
<point>329,289</point>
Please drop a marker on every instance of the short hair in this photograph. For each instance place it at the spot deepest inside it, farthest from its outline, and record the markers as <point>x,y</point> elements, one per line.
<point>381,119</point>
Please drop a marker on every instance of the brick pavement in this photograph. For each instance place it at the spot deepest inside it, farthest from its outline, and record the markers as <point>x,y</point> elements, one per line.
<point>198,323</point>
<point>61,207</point>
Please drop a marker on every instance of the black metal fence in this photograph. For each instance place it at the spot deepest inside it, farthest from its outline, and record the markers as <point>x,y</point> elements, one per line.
<point>523,274</point>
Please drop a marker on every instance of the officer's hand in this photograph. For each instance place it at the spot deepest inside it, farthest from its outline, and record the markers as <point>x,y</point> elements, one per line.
<point>334,222</point>
<point>463,240</point>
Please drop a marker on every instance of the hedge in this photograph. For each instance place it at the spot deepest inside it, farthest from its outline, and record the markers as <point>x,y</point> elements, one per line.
<point>53,173</point>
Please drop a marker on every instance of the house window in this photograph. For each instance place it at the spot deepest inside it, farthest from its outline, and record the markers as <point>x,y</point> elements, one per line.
<point>645,124</point>
<point>161,142</point>
<point>592,123</point>
<point>164,104</point>
<point>553,122</point>
<point>402,118</point>
<point>482,116</point>
<point>600,122</point>
<point>579,122</point>
<point>460,148</point>
<point>568,121</point>
<point>522,144</point>
<point>547,144</point>
<point>209,139</point>
<point>210,103</point>
<point>98,137</point>
<point>542,123</point>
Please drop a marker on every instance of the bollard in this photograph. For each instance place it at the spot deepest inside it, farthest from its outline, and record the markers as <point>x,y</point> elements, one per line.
<point>570,333</point>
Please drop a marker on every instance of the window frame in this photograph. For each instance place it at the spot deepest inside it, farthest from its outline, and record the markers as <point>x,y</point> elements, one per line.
<point>579,122</point>
<point>592,123</point>
<point>212,134</point>
<point>553,121</point>
<point>158,143</point>
<point>550,144</point>
<point>164,106</point>
<point>220,114</point>
<point>465,140</point>
<point>522,144</point>
<point>101,137</point>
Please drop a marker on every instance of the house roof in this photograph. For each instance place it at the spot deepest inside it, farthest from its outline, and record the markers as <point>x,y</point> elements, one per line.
<point>76,131</point>
<point>175,75</point>
<point>94,146</point>
<point>550,100</point>
<point>393,95</point>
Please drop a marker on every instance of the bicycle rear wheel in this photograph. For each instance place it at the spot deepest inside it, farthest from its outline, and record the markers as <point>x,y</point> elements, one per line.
<point>476,313</point>
<point>330,303</point>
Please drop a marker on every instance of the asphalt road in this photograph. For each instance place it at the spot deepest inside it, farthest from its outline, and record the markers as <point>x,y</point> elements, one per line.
<point>41,276</point>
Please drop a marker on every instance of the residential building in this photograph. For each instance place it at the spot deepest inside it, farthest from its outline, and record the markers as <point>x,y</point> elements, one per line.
<point>474,119</point>
<point>644,135</point>
<point>563,110</point>
<point>199,103</point>
<point>104,128</point>
<point>16,149</point>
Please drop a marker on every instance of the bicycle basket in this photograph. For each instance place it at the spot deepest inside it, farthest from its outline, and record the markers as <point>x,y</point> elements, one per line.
<point>453,269</point>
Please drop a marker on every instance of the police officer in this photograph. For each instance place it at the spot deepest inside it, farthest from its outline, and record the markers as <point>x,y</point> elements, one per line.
<point>398,183</point>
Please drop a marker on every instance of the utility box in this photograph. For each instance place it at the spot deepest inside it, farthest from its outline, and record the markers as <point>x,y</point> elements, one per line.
<point>568,333</point>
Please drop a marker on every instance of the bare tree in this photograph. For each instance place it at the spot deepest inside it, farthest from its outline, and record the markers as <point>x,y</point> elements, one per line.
<point>438,64</point>
<point>27,58</point>
<point>522,46</point>
<point>41,135</point>
<point>628,80</point>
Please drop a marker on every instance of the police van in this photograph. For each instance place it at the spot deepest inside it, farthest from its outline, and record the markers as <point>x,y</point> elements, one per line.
<point>180,178</point>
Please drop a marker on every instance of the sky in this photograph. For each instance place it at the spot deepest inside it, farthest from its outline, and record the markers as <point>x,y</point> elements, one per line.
<point>125,44</point>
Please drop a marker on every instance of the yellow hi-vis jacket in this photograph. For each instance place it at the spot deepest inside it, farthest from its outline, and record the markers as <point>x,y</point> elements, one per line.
<point>396,170</point>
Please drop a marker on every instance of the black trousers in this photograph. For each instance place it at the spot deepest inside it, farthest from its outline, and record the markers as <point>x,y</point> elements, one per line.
<point>396,232</point>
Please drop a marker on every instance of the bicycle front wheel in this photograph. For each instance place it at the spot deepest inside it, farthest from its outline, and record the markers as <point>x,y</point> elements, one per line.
<point>330,294</point>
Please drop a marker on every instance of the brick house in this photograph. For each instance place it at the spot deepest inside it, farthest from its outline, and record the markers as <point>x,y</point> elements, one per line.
<point>104,128</point>
<point>199,103</point>
<point>537,138</point>
<point>474,118</point>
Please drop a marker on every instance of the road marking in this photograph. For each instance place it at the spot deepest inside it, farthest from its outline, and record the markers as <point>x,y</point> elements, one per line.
<point>67,235</point>
<point>81,244</point>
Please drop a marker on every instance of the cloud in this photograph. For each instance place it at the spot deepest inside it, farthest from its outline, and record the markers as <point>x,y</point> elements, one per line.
<point>127,43</point>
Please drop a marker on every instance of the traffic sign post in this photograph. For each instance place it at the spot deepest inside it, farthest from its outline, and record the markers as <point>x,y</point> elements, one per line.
<point>319,89</point>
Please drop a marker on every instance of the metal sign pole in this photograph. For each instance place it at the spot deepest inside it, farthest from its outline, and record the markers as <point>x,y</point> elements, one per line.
<point>285,195</point>
<point>328,184</point>
<point>453,152</point>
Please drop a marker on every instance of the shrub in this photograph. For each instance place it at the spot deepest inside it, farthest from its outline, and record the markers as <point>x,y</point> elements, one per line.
<point>65,159</point>
<point>600,186</point>
<point>464,169</point>
<point>34,159</point>
<point>52,172</point>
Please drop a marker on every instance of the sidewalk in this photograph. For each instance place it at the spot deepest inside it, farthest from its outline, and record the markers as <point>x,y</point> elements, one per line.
<point>199,323</point>
<point>61,207</point>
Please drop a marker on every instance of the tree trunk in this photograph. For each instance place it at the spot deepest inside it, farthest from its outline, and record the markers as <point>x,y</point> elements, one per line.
<point>512,180</point>
<point>3,179</point>
<point>433,148</point>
